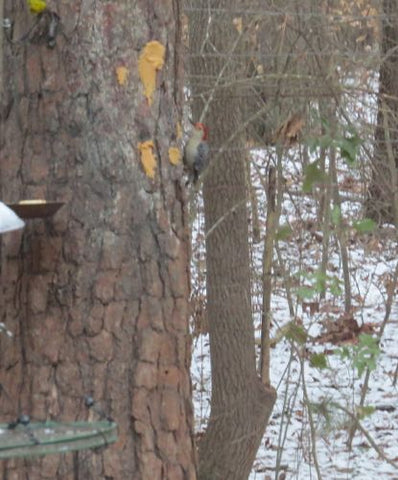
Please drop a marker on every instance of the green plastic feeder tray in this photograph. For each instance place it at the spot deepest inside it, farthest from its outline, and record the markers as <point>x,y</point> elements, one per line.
<point>53,437</point>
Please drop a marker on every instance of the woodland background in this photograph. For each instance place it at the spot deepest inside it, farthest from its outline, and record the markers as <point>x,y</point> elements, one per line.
<point>280,272</point>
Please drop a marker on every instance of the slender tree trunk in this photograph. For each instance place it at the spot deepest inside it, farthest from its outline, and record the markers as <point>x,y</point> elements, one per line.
<point>381,204</point>
<point>240,403</point>
<point>97,295</point>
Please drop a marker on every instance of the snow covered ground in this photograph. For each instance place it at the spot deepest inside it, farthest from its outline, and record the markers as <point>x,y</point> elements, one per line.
<point>288,446</point>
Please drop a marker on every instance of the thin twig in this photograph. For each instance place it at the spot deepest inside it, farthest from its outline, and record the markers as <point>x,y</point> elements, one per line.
<point>369,438</point>
<point>271,225</point>
<point>287,406</point>
<point>221,73</point>
<point>221,219</point>
<point>310,418</point>
<point>341,236</point>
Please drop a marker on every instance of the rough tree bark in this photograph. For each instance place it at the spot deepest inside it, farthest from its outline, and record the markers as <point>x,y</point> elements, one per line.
<point>97,295</point>
<point>240,403</point>
<point>382,201</point>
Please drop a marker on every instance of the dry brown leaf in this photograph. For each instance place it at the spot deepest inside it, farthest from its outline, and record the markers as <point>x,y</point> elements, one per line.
<point>238,24</point>
<point>287,134</point>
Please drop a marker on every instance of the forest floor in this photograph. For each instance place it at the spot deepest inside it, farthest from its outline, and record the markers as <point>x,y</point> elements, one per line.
<point>308,436</point>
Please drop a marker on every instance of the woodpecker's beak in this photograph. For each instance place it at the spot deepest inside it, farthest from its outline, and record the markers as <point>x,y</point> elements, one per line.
<point>191,122</point>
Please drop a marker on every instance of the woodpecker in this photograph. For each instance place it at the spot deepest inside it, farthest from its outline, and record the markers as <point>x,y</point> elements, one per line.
<point>196,152</point>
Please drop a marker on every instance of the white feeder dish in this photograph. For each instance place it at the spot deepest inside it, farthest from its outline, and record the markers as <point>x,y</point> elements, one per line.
<point>9,220</point>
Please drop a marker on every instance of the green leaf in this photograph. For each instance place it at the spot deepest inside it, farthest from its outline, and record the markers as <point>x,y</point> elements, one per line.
<point>349,147</point>
<point>284,232</point>
<point>335,288</point>
<point>306,293</point>
<point>360,365</point>
<point>366,340</point>
<point>325,141</point>
<point>312,143</point>
<point>336,215</point>
<point>366,353</point>
<point>324,409</point>
<point>321,141</point>
<point>318,360</point>
<point>348,151</point>
<point>320,281</point>
<point>325,124</point>
<point>342,352</point>
<point>365,411</point>
<point>312,174</point>
<point>367,225</point>
<point>295,333</point>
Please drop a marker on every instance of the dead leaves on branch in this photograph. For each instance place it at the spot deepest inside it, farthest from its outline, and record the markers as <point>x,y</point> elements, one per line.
<point>289,132</point>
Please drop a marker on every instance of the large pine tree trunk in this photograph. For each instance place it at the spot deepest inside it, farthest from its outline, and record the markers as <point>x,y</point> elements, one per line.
<point>240,403</point>
<point>382,201</point>
<point>97,295</point>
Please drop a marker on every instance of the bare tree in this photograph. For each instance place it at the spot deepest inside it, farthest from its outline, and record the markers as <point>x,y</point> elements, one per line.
<point>240,403</point>
<point>97,295</point>
<point>382,202</point>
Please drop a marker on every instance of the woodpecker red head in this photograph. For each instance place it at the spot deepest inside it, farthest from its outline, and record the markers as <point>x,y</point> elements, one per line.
<point>201,127</point>
<point>196,152</point>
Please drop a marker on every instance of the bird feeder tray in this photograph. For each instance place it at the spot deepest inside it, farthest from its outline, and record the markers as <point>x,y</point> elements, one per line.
<point>46,438</point>
<point>35,208</point>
